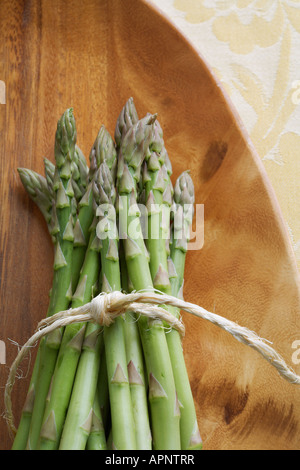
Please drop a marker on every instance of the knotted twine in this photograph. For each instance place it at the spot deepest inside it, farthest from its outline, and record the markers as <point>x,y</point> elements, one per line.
<point>105,308</point>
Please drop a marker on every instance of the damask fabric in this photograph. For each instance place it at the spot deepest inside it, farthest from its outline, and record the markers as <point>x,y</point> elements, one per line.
<point>253,47</point>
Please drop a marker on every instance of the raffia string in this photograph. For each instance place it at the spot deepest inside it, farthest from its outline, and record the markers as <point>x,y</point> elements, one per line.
<point>105,308</point>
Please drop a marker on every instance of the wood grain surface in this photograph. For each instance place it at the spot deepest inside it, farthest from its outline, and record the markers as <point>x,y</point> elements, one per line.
<point>93,55</point>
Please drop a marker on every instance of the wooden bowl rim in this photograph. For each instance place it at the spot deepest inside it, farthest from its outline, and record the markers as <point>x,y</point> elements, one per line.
<point>236,118</point>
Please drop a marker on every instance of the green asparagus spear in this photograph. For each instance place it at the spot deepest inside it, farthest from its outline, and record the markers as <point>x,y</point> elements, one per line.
<point>183,215</point>
<point>20,440</point>
<point>70,349</point>
<point>97,437</point>
<point>49,174</point>
<point>102,150</point>
<point>162,394</point>
<point>158,195</point>
<point>103,392</point>
<point>41,190</point>
<point>37,188</point>
<point>136,369</point>
<point>80,174</point>
<point>127,118</point>
<point>135,361</point>
<point>69,353</point>
<point>123,430</point>
<point>65,140</point>
<point>79,419</point>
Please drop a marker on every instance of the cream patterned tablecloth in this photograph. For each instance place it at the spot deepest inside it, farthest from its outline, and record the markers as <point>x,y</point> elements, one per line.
<point>253,47</point>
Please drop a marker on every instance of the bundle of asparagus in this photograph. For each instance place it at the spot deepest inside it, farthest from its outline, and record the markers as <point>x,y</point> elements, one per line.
<point>124,386</point>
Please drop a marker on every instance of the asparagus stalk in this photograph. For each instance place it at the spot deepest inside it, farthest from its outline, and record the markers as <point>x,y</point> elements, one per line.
<point>70,349</point>
<point>69,353</point>
<point>135,361</point>
<point>65,140</point>
<point>41,190</point>
<point>162,394</point>
<point>78,423</point>
<point>37,187</point>
<point>20,440</point>
<point>103,392</point>
<point>136,369</point>
<point>158,195</point>
<point>80,174</point>
<point>183,214</point>
<point>97,437</point>
<point>102,150</point>
<point>126,119</point>
<point>123,430</point>
<point>49,174</point>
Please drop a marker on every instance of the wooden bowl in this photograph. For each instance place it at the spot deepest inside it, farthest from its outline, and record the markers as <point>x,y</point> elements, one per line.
<point>93,56</point>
